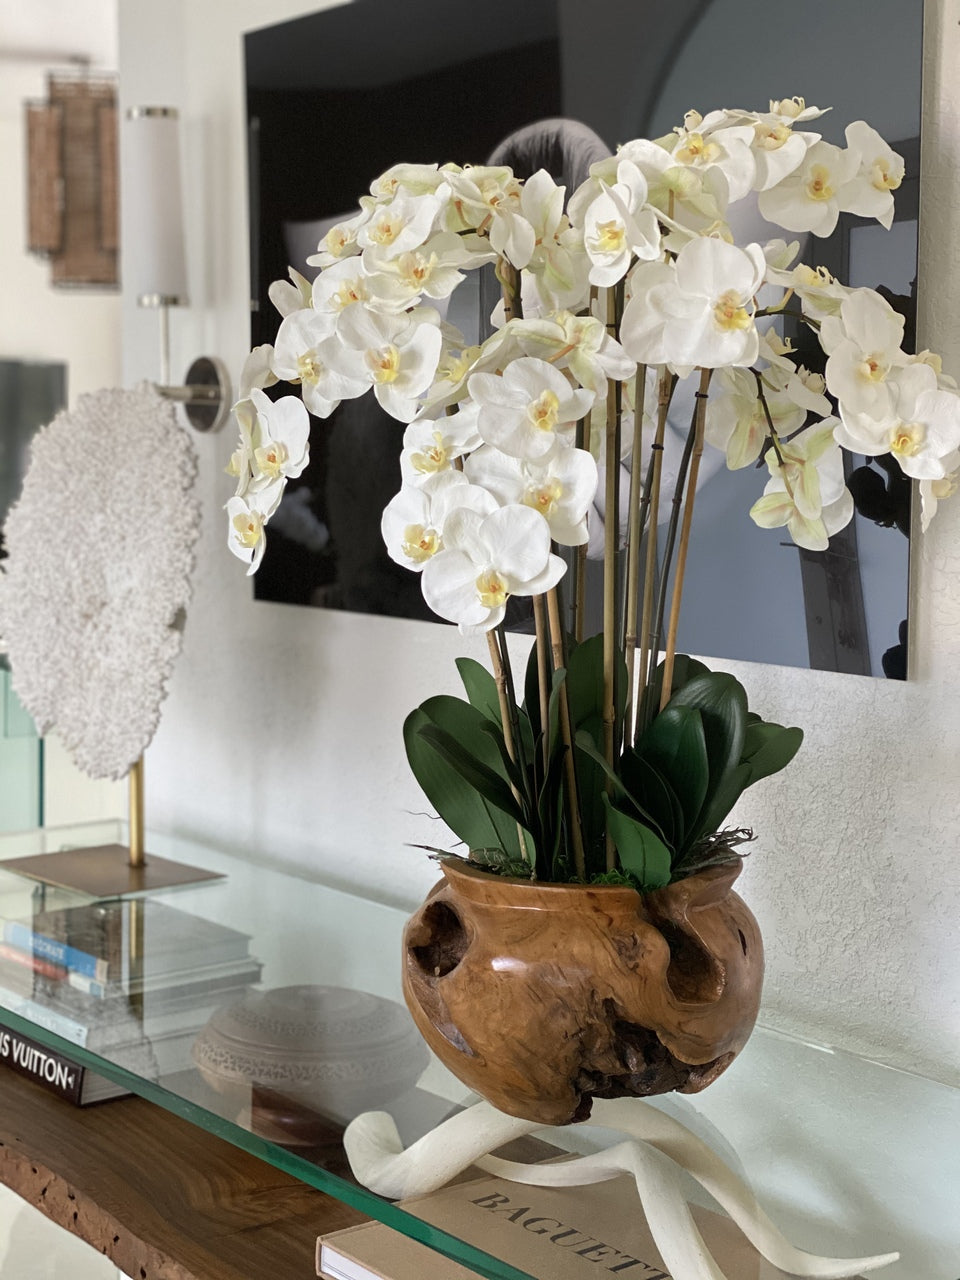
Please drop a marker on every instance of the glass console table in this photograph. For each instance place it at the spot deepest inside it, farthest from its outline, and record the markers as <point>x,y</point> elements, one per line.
<point>847,1156</point>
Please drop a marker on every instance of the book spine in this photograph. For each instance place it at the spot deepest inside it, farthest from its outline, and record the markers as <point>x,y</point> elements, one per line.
<point>18,935</point>
<point>49,1019</point>
<point>36,1062</point>
<point>29,961</point>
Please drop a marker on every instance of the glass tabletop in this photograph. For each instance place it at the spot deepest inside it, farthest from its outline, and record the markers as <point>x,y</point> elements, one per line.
<point>267,1009</point>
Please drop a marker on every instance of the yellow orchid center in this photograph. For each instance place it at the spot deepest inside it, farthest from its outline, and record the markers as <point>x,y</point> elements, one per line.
<point>384,364</point>
<point>338,240</point>
<point>790,107</point>
<point>420,543</point>
<point>812,277</point>
<point>416,268</point>
<point>771,137</point>
<point>543,411</point>
<point>270,459</point>
<point>818,183</point>
<point>432,459</point>
<point>385,228</point>
<point>881,176</point>
<point>946,486</point>
<point>349,292</point>
<point>309,368</point>
<point>492,589</point>
<point>544,497</point>
<point>696,150</point>
<point>872,369</point>
<point>456,367</point>
<point>236,464</point>
<point>730,313</point>
<point>248,527</point>
<point>610,237</point>
<point>908,439</point>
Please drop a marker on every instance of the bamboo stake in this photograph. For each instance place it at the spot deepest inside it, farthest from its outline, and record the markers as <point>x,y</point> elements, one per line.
<point>650,567</point>
<point>570,768</point>
<point>579,557</point>
<point>667,559</point>
<point>506,722</point>
<point>685,538</point>
<point>611,536</point>
<point>634,534</point>
<point>543,676</point>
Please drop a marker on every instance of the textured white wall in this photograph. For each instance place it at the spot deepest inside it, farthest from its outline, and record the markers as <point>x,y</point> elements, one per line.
<point>37,322</point>
<point>281,739</point>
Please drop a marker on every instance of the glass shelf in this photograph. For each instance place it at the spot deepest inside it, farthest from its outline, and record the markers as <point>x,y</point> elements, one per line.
<point>848,1156</point>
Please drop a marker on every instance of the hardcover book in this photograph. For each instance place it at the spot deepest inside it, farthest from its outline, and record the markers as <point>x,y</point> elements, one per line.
<point>573,1233</point>
<point>53,1071</point>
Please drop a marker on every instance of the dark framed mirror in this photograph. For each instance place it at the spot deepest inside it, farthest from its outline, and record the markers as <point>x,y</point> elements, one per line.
<point>336,97</point>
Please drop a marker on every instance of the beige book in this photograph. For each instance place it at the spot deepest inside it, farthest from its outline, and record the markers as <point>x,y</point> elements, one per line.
<point>595,1232</point>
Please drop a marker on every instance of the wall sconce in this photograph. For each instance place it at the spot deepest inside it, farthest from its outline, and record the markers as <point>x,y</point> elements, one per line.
<point>156,263</point>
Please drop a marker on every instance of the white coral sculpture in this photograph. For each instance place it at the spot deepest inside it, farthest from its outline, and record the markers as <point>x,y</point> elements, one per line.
<point>97,576</point>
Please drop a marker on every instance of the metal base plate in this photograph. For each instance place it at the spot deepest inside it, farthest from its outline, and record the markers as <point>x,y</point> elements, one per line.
<point>104,871</point>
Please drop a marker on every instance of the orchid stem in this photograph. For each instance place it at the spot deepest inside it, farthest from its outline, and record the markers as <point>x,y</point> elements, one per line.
<point>650,567</point>
<point>566,732</point>
<point>700,418</point>
<point>634,534</point>
<point>506,723</point>
<point>611,529</point>
<point>543,676</point>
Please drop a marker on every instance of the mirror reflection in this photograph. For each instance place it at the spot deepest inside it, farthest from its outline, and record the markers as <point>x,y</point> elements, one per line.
<point>443,86</point>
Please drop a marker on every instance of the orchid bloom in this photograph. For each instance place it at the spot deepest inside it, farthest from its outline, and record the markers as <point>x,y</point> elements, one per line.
<point>530,409</point>
<point>485,561</point>
<point>806,491</point>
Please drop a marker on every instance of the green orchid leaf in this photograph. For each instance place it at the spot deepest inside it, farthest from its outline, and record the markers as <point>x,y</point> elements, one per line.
<point>639,849</point>
<point>768,748</point>
<point>720,801</point>
<point>481,688</point>
<point>510,767</point>
<point>722,703</point>
<point>473,819</point>
<point>685,669</point>
<point>490,784</point>
<point>675,744</point>
<point>585,682</point>
<point>654,797</point>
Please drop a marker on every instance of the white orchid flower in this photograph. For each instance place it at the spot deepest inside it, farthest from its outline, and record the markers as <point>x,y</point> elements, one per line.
<point>281,441</point>
<point>811,197</point>
<point>556,275</point>
<point>400,280</point>
<point>340,241</point>
<point>403,224</point>
<point>618,225</point>
<point>400,355</point>
<point>736,422</point>
<point>778,149</point>
<point>340,287</point>
<point>698,310</point>
<point>819,293</point>
<point>246,519</point>
<point>795,110</point>
<point>290,295</point>
<point>578,343</point>
<point>933,492</point>
<point>485,561</point>
<point>863,349</point>
<point>528,410</point>
<point>870,194</point>
<point>417,179</point>
<point>725,149</point>
<point>309,351</point>
<point>413,520</point>
<point>806,492</point>
<point>922,431</point>
<point>561,488</point>
<point>241,460</point>
<point>432,446</point>
<point>257,370</point>
<point>488,198</point>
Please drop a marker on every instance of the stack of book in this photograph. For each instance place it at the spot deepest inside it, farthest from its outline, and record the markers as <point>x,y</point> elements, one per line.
<point>133,981</point>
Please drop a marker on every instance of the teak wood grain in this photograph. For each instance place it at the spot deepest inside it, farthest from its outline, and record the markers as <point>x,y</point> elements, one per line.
<point>159,1197</point>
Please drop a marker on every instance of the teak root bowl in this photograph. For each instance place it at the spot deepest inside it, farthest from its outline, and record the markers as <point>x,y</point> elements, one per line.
<point>541,997</point>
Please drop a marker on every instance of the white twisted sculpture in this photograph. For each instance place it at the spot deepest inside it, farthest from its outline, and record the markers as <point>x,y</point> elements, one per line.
<point>660,1143</point>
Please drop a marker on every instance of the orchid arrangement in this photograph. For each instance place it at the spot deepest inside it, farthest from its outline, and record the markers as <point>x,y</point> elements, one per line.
<point>613,765</point>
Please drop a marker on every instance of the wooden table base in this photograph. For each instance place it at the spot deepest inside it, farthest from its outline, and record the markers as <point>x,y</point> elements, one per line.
<point>159,1197</point>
